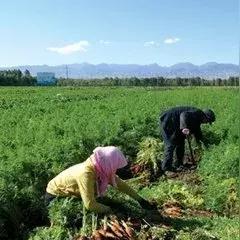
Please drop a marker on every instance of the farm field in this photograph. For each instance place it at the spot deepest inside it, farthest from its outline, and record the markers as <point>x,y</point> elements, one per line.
<point>47,129</point>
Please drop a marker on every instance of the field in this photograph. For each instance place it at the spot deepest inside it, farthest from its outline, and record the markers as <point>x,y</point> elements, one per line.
<point>46,129</point>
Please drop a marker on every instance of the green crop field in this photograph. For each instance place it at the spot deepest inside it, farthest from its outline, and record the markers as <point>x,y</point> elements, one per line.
<point>44,130</point>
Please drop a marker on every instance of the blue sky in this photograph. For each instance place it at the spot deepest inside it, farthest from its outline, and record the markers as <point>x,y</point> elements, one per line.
<point>125,31</point>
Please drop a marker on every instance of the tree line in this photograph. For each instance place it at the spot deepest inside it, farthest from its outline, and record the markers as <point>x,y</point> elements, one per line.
<point>152,81</point>
<point>17,78</point>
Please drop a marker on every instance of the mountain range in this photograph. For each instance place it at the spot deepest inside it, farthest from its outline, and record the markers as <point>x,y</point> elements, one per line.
<point>86,70</point>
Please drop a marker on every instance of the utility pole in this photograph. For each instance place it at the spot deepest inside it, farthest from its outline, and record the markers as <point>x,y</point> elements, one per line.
<point>67,72</point>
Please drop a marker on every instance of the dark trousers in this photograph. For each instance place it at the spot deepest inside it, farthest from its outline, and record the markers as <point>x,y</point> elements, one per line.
<point>170,147</point>
<point>48,198</point>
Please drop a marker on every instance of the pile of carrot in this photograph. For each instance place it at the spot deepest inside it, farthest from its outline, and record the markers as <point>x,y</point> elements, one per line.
<point>113,229</point>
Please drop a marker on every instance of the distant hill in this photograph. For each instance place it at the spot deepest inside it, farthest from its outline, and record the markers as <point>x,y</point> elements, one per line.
<point>86,70</point>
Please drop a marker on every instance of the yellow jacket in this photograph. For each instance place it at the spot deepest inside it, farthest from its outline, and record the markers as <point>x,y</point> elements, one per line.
<point>80,181</point>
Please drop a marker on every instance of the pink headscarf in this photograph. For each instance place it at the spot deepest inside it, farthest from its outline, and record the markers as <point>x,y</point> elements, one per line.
<point>106,161</point>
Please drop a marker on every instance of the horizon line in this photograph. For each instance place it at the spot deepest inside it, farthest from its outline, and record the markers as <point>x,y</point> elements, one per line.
<point>101,63</point>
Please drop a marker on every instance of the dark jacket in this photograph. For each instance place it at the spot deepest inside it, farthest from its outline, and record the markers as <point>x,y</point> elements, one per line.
<point>178,118</point>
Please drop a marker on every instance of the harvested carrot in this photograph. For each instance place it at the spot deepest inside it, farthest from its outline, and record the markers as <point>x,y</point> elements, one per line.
<point>115,230</point>
<point>96,235</point>
<point>105,223</point>
<point>111,235</point>
<point>118,226</point>
<point>173,211</point>
<point>102,232</point>
<point>129,230</point>
<point>124,224</point>
<point>97,238</point>
<point>83,238</point>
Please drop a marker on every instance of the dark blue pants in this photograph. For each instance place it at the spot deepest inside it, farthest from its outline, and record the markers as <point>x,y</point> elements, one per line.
<point>170,147</point>
<point>48,198</point>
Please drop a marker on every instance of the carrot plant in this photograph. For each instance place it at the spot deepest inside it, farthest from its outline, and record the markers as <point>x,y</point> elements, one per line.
<point>47,129</point>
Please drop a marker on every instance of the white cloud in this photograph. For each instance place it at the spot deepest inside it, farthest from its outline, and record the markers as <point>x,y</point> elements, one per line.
<point>104,42</point>
<point>71,48</point>
<point>151,44</point>
<point>171,40</point>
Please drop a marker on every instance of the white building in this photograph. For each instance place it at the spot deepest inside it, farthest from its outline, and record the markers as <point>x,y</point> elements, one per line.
<point>46,78</point>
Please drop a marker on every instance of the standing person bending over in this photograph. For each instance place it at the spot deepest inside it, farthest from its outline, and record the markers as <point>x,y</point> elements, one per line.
<point>91,178</point>
<point>176,124</point>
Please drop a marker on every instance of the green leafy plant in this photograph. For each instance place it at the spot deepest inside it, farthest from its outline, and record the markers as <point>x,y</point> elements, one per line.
<point>66,212</point>
<point>42,133</point>
<point>175,192</point>
<point>219,171</point>
<point>150,154</point>
<point>50,233</point>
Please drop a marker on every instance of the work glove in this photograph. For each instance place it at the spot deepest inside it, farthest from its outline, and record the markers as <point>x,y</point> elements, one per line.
<point>147,205</point>
<point>186,131</point>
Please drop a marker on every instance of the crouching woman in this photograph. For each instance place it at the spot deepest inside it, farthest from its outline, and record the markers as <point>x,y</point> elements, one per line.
<point>91,178</point>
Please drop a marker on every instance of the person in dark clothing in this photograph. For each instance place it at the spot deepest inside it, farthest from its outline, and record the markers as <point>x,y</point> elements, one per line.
<point>176,124</point>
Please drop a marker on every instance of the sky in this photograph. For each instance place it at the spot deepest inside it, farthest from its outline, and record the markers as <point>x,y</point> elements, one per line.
<point>165,32</point>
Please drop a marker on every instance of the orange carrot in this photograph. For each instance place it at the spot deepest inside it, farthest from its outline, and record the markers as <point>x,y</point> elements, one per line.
<point>96,235</point>
<point>118,226</point>
<point>115,230</point>
<point>102,232</point>
<point>129,230</point>
<point>110,235</point>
